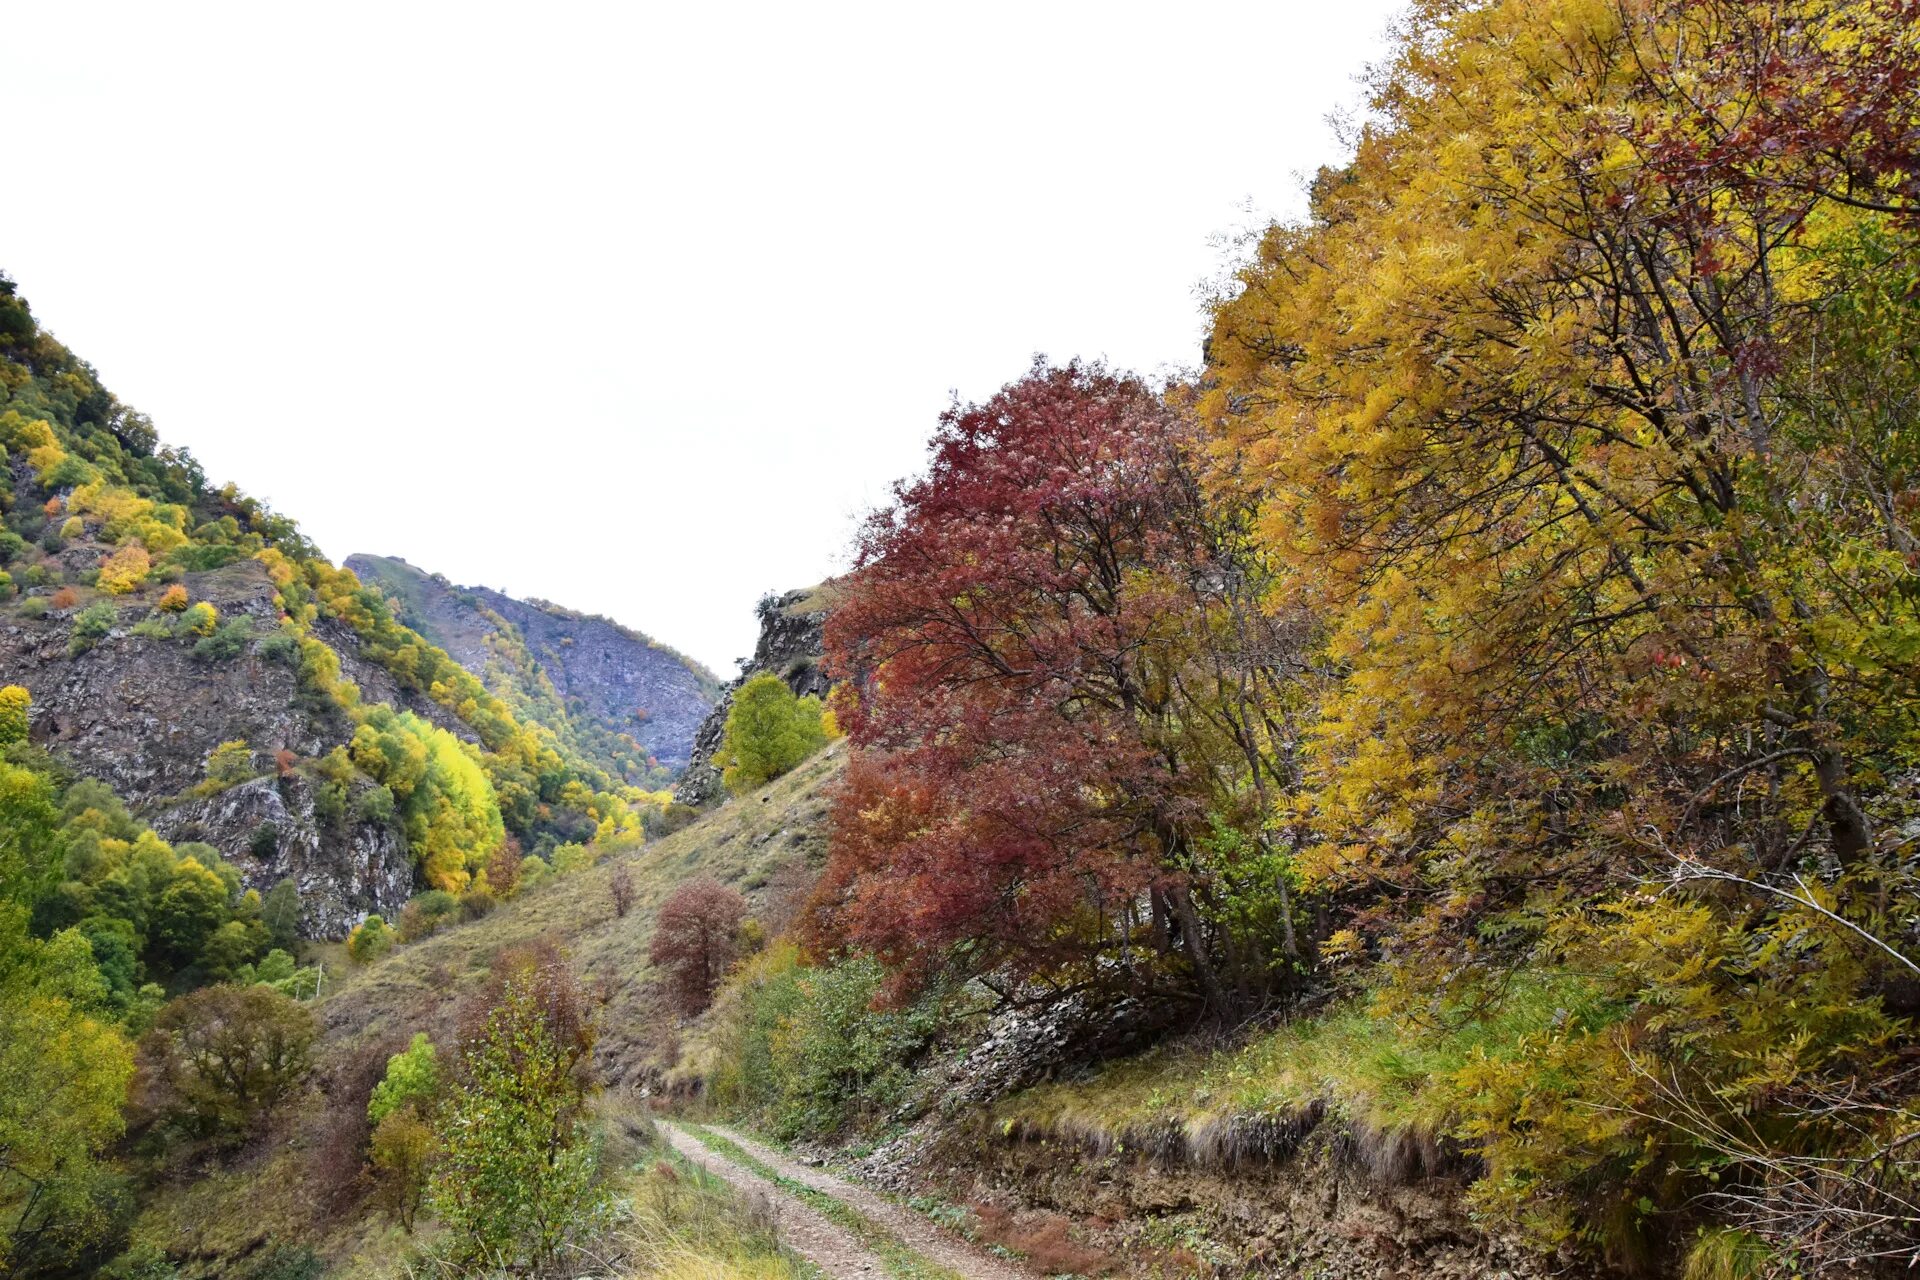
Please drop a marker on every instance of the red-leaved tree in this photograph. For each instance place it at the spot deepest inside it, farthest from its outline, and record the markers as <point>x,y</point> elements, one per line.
<point>1042,732</point>
<point>695,939</point>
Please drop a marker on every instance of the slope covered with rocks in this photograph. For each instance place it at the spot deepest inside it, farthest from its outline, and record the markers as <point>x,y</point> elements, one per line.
<point>630,704</point>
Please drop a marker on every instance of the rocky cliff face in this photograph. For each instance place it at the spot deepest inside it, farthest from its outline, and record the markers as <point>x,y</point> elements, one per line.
<point>268,828</point>
<point>559,665</point>
<point>791,646</point>
<point>142,713</point>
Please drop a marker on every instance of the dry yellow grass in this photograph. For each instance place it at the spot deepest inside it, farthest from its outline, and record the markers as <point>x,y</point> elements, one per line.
<point>744,843</point>
<point>269,1193</point>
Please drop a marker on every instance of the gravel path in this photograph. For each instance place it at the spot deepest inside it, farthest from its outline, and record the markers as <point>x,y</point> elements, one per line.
<point>920,1235</point>
<point>825,1244</point>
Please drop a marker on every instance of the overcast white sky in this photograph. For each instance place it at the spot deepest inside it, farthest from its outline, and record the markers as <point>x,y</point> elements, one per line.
<point>634,307</point>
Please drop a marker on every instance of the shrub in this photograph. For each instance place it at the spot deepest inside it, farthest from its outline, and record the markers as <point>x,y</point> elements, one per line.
<point>199,619</point>
<point>695,939</point>
<point>64,598</point>
<point>229,764</point>
<point>274,967</point>
<point>412,1080</point>
<point>227,1055</point>
<point>330,805</point>
<point>34,606</point>
<point>569,858</point>
<point>91,625</point>
<point>620,889</point>
<point>231,948</point>
<point>768,732</point>
<point>6,584</point>
<point>533,872</point>
<point>285,1262</point>
<point>72,528</point>
<point>426,913</point>
<point>503,869</point>
<point>152,628</point>
<point>228,642</point>
<point>376,805</point>
<point>369,940</point>
<point>12,545</point>
<point>402,1150</point>
<point>264,843</point>
<point>281,648</point>
<point>516,1179</point>
<point>125,569</point>
<point>805,1049</point>
<point>173,599</point>
<point>16,706</point>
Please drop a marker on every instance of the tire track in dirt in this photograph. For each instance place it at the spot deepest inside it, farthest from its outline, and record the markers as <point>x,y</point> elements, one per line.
<point>911,1228</point>
<point>825,1244</point>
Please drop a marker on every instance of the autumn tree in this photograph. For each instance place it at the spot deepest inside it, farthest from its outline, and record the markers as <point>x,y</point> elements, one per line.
<point>280,914</point>
<point>403,1145</point>
<point>227,1055</point>
<point>125,569</point>
<point>1057,686</point>
<point>515,1179</point>
<point>620,889</point>
<point>230,764</point>
<point>66,1067</point>
<point>15,708</point>
<point>768,731</point>
<point>369,940</point>
<point>695,939</point>
<point>1577,417</point>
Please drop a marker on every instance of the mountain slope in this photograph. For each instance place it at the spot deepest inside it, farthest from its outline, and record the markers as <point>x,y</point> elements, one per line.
<point>612,693</point>
<point>155,618</point>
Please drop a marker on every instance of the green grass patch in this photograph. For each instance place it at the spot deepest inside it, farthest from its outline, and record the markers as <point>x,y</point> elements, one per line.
<point>1387,1071</point>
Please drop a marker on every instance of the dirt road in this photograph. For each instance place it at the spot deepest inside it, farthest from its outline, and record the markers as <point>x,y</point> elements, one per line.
<point>912,1245</point>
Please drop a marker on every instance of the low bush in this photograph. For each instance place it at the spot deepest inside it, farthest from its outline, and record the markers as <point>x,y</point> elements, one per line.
<point>426,913</point>
<point>91,626</point>
<point>369,940</point>
<point>228,642</point>
<point>803,1050</point>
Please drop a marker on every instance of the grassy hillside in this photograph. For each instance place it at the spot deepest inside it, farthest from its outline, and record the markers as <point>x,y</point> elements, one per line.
<point>299,1190</point>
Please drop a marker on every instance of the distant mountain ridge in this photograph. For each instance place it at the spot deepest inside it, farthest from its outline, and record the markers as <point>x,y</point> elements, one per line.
<point>621,699</point>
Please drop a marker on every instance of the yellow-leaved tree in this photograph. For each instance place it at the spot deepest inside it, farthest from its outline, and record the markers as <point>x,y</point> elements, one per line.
<point>1579,413</point>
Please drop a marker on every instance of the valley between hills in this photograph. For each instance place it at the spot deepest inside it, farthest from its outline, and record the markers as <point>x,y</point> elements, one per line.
<point>1430,788</point>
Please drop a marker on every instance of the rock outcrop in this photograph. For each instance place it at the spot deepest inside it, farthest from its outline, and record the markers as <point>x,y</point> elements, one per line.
<point>268,828</point>
<point>142,713</point>
<point>791,646</point>
<point>556,664</point>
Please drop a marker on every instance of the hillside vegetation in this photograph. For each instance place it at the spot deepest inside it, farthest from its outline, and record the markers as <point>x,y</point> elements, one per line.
<point>1495,671</point>
<point>615,697</point>
<point>1437,791</point>
<point>305,1192</point>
